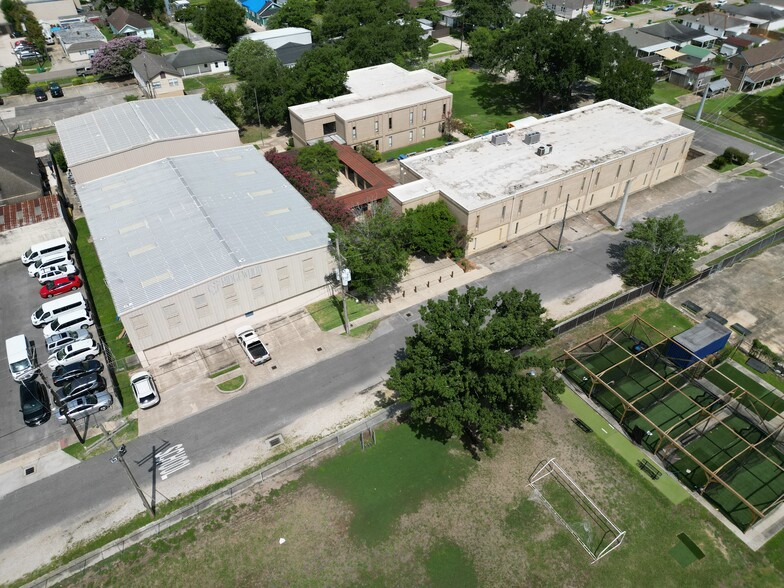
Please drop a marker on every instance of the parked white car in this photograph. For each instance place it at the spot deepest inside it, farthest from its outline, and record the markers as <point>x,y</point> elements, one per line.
<point>144,390</point>
<point>59,340</point>
<point>79,351</point>
<point>607,19</point>
<point>55,273</point>
<point>47,262</point>
<point>70,321</point>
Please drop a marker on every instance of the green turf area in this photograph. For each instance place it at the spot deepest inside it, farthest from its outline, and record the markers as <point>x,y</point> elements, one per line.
<point>199,82</point>
<point>363,331</point>
<point>756,115</point>
<point>769,376</point>
<point>624,448</point>
<point>442,48</point>
<point>254,133</point>
<point>758,394</point>
<point>328,313</point>
<point>686,552</point>
<point>662,315</point>
<point>391,478</point>
<point>753,173</point>
<point>630,10</point>
<point>448,566</point>
<point>667,93</point>
<point>232,385</point>
<point>413,148</point>
<point>483,102</point>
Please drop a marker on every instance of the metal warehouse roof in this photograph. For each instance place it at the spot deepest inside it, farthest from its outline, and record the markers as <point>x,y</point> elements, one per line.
<point>166,226</point>
<point>132,124</point>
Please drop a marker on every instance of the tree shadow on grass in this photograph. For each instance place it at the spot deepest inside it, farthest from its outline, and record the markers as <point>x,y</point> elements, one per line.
<point>764,114</point>
<point>497,98</point>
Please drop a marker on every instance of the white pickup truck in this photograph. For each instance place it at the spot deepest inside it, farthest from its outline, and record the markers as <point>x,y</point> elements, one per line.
<point>252,345</point>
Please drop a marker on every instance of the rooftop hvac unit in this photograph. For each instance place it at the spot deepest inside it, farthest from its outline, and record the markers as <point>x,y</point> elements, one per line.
<point>532,137</point>
<point>499,139</point>
<point>544,149</point>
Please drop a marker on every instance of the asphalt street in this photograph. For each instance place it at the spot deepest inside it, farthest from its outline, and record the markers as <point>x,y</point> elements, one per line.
<point>210,435</point>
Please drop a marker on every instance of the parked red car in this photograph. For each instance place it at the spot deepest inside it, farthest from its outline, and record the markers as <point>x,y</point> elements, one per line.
<point>60,285</point>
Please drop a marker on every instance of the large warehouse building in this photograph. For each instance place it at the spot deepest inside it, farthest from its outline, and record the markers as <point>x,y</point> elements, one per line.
<point>191,246</point>
<point>514,182</point>
<point>131,134</point>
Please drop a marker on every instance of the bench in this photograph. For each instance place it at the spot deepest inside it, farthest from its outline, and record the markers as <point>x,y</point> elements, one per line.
<point>689,305</point>
<point>717,317</point>
<point>649,469</point>
<point>740,329</point>
<point>582,425</point>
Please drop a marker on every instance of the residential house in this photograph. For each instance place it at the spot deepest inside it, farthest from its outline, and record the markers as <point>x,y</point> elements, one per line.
<point>643,43</point>
<point>693,78</point>
<point>779,4</point>
<point>199,61</point>
<point>125,23</point>
<point>388,107</point>
<point>450,18</point>
<point>718,87</point>
<point>80,40</point>
<point>762,18</point>
<point>693,55</point>
<point>22,175</point>
<point>757,67</point>
<point>156,76</point>
<point>260,11</point>
<point>716,24</point>
<point>679,34</point>
<point>520,8</point>
<point>734,45</point>
<point>568,9</point>
<point>289,43</point>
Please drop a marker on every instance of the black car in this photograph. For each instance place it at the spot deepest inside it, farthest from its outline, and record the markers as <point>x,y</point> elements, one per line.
<point>40,95</point>
<point>81,386</point>
<point>67,373</point>
<point>35,403</point>
<point>55,90</point>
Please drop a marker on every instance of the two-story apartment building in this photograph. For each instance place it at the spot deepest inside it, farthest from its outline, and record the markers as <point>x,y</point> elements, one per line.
<point>389,107</point>
<point>754,68</point>
<point>514,182</point>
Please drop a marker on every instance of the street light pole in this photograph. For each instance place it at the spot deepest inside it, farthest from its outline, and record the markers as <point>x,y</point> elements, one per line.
<point>346,322</point>
<point>118,457</point>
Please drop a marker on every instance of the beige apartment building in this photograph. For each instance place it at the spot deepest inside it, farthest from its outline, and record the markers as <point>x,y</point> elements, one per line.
<point>389,107</point>
<point>528,177</point>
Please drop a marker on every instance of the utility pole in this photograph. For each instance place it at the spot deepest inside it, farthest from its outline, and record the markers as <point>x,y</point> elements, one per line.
<point>702,103</point>
<point>118,457</point>
<point>343,283</point>
<point>563,222</point>
<point>622,209</point>
<point>664,272</point>
<point>59,404</point>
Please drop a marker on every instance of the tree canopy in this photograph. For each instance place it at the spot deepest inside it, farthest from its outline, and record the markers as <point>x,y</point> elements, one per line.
<point>14,80</point>
<point>494,14</point>
<point>457,372</point>
<point>264,82</point>
<point>114,58</point>
<point>659,250</point>
<point>226,100</point>
<point>432,230</point>
<point>294,13</point>
<point>222,22</point>
<point>319,74</point>
<point>321,161</point>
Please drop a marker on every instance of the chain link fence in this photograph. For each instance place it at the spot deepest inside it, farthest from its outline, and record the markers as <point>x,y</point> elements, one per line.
<point>592,313</point>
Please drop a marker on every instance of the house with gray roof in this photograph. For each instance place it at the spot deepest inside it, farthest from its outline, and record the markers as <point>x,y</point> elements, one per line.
<point>568,9</point>
<point>199,61</point>
<point>80,40</point>
<point>757,67</point>
<point>643,43</point>
<point>716,24</point>
<point>125,23</point>
<point>678,33</point>
<point>21,174</point>
<point>156,76</point>
<point>197,245</point>
<point>761,18</point>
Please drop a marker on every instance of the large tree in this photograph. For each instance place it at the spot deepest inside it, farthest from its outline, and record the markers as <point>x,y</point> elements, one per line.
<point>457,372</point>
<point>622,76</point>
<point>114,58</point>
<point>659,250</point>
<point>494,14</point>
<point>321,161</point>
<point>432,230</point>
<point>319,74</point>
<point>265,82</point>
<point>375,252</point>
<point>226,100</point>
<point>294,13</point>
<point>14,80</point>
<point>383,42</point>
<point>248,56</point>
<point>223,22</point>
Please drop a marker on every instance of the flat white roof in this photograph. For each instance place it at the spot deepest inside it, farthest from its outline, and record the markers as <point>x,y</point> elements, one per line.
<point>166,226</point>
<point>132,124</point>
<point>380,88</point>
<point>412,190</point>
<point>474,173</point>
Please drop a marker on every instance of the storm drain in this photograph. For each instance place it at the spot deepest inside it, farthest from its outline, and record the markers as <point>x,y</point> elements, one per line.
<point>30,471</point>
<point>274,441</point>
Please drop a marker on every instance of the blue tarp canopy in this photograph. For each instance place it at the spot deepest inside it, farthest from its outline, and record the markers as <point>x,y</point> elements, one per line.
<point>254,5</point>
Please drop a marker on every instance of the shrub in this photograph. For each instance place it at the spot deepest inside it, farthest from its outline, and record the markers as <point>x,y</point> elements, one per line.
<point>469,130</point>
<point>369,152</point>
<point>131,97</point>
<point>56,152</point>
<point>761,351</point>
<point>718,163</point>
<point>735,156</point>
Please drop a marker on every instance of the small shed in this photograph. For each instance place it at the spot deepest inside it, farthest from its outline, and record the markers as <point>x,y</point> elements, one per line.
<point>697,343</point>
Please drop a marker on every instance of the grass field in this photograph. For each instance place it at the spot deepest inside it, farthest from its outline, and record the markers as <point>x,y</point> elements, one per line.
<point>412,512</point>
<point>441,48</point>
<point>483,102</point>
<point>196,83</point>
<point>414,147</point>
<point>169,38</point>
<point>754,173</point>
<point>666,93</point>
<point>328,313</point>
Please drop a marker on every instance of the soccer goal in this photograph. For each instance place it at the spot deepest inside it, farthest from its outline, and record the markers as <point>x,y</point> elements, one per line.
<point>575,510</point>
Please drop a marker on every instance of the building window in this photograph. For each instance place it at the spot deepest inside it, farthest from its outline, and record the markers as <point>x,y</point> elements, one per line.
<point>201,306</point>
<point>541,217</point>
<point>590,202</point>
<point>424,114</point>
<point>156,84</point>
<point>375,126</point>
<point>353,132</point>
<point>582,187</point>
<point>410,136</point>
<point>390,123</point>
<point>618,173</point>
<point>257,286</point>
<point>283,278</point>
<point>172,316</point>
<point>173,82</point>
<point>676,167</point>
<point>410,117</point>
<point>329,128</point>
<point>631,167</point>
<point>225,64</point>
<point>544,197</point>
<point>443,110</point>
<point>517,225</point>
<point>308,270</point>
<point>503,213</point>
<point>141,326</point>
<point>520,206</point>
<point>683,148</point>
<point>666,151</point>
<point>476,224</point>
<point>230,295</point>
<point>389,141</point>
<point>596,183</point>
<point>423,132</point>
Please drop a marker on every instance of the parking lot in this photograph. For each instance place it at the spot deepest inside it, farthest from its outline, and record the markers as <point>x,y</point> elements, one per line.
<point>20,299</point>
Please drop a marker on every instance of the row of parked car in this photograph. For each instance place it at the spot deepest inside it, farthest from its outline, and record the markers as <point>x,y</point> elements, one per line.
<point>79,387</point>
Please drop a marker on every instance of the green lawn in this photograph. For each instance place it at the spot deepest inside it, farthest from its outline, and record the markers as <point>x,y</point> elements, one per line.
<point>391,478</point>
<point>199,82</point>
<point>666,93</point>
<point>442,48</point>
<point>232,385</point>
<point>328,313</point>
<point>754,173</point>
<point>414,147</point>
<point>169,38</point>
<point>483,102</point>
<point>758,115</point>
<point>448,566</point>
<point>363,331</point>
<point>662,315</point>
<point>770,377</point>
<point>253,133</point>
<point>107,32</point>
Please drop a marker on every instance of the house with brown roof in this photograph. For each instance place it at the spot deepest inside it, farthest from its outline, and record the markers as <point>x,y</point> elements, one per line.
<point>156,77</point>
<point>125,23</point>
<point>755,68</point>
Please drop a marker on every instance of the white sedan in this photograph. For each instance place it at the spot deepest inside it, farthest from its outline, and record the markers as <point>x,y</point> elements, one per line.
<point>144,390</point>
<point>606,19</point>
<point>59,271</point>
<point>79,351</point>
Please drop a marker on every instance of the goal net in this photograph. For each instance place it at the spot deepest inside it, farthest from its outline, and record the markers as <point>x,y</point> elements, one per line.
<point>580,515</point>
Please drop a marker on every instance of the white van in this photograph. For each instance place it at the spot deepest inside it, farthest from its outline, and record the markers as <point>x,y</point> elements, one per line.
<point>46,262</point>
<point>46,248</point>
<point>21,358</point>
<point>51,310</point>
<point>70,321</point>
